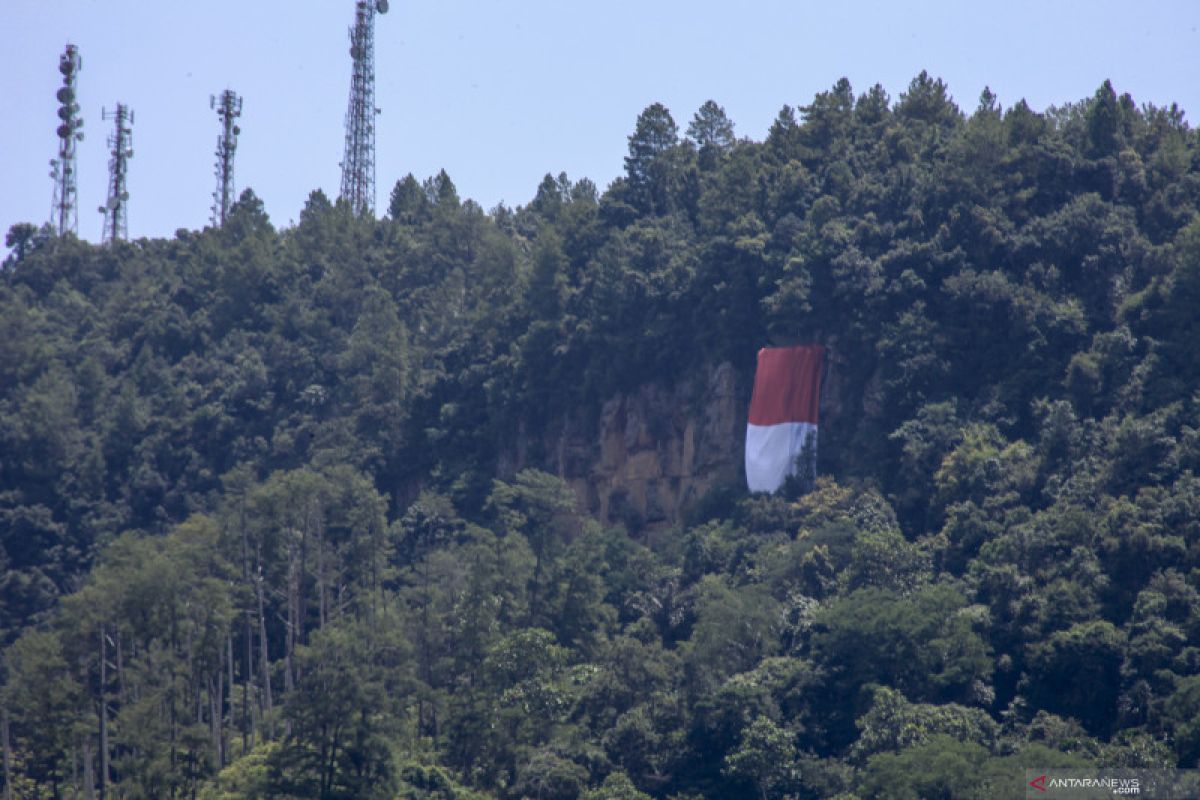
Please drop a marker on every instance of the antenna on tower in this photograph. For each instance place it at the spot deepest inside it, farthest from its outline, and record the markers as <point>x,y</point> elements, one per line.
<point>64,215</point>
<point>358,163</point>
<point>229,108</point>
<point>116,224</point>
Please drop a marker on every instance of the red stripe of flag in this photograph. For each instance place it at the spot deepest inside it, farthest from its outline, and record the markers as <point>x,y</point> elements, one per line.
<point>787,385</point>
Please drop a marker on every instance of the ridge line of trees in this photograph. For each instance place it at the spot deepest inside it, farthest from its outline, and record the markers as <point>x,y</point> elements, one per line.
<point>278,515</point>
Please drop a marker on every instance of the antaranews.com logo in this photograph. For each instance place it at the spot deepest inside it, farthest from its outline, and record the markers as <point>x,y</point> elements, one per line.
<point>1153,784</point>
<point>1117,786</point>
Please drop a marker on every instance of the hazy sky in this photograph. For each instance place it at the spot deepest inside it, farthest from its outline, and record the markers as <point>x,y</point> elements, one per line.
<point>499,93</point>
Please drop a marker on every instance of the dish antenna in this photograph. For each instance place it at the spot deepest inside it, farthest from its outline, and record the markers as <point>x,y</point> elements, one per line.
<point>358,160</point>
<point>64,215</point>
<point>229,108</point>
<point>120,143</point>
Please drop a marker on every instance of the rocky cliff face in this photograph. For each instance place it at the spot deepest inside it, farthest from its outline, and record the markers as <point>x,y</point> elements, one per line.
<point>654,452</point>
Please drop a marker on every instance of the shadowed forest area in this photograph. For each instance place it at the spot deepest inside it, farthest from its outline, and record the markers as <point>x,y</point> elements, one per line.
<point>262,533</point>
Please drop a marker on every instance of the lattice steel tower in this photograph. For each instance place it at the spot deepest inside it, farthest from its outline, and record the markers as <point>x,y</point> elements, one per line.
<point>229,108</point>
<point>116,225</point>
<point>358,162</point>
<point>64,214</point>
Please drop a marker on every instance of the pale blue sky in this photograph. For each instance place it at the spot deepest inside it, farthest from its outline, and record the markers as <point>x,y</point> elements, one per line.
<point>499,93</point>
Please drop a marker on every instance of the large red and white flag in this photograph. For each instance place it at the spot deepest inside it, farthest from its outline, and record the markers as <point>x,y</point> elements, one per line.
<point>783,415</point>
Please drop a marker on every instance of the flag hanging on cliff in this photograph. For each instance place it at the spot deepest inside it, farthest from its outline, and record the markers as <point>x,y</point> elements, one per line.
<point>783,416</point>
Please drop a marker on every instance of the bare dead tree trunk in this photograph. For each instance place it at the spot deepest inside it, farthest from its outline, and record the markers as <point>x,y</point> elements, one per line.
<point>215,695</point>
<point>229,660</point>
<point>89,769</point>
<point>301,571</point>
<point>322,588</point>
<point>247,680</point>
<point>248,642</point>
<point>172,701</point>
<point>103,713</point>
<point>120,669</point>
<point>74,774</point>
<point>8,793</point>
<point>293,600</point>
<point>265,662</point>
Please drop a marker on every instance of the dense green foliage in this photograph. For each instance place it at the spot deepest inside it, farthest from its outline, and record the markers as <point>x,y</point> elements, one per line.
<point>262,535</point>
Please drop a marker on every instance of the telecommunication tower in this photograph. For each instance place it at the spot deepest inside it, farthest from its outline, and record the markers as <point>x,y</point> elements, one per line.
<point>229,108</point>
<point>116,225</point>
<point>358,163</point>
<point>64,215</point>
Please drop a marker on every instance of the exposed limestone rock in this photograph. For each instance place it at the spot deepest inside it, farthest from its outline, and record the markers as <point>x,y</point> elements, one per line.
<point>654,452</point>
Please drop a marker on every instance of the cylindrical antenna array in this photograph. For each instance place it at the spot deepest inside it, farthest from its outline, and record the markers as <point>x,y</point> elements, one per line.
<point>358,161</point>
<point>64,215</point>
<point>229,108</point>
<point>120,142</point>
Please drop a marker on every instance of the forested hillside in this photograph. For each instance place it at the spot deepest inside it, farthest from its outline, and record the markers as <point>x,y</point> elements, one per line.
<point>262,531</point>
